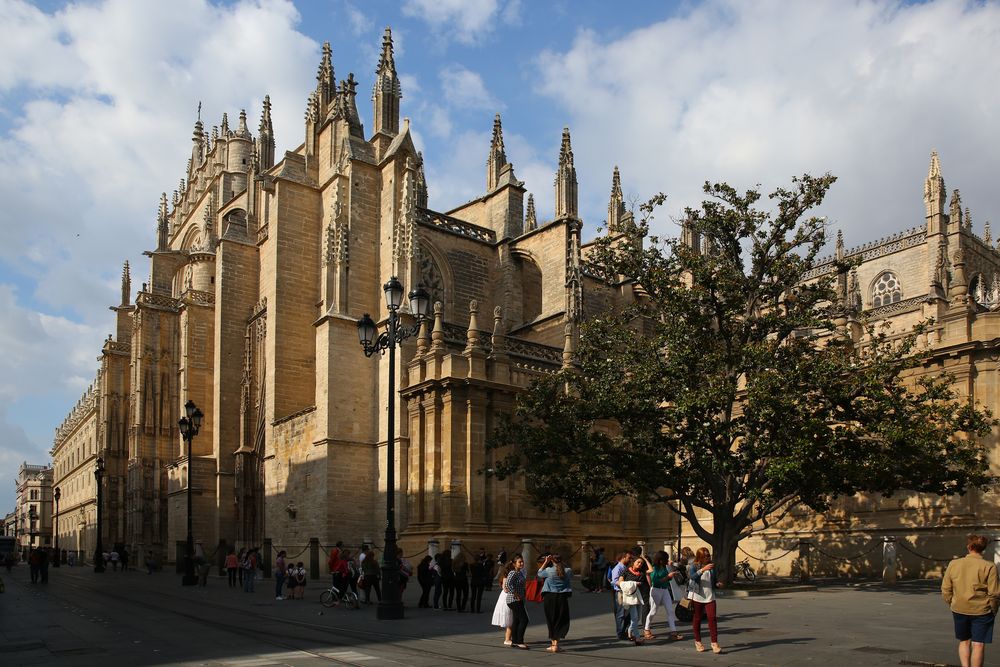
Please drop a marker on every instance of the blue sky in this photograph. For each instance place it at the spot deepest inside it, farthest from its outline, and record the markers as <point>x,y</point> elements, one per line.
<point>98,99</point>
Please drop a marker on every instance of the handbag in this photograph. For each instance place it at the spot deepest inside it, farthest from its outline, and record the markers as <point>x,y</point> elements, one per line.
<point>683,612</point>
<point>533,590</point>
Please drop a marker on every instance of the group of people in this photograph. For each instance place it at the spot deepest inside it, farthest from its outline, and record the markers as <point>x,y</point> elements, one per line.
<point>641,589</point>
<point>243,567</point>
<point>364,572</point>
<point>456,582</point>
<point>114,558</point>
<point>290,575</point>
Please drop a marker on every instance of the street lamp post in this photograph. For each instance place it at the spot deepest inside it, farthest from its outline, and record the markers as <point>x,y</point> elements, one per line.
<point>99,551</point>
<point>391,605</point>
<point>55,524</point>
<point>189,424</point>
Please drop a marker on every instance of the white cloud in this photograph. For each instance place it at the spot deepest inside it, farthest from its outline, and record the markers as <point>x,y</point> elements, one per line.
<point>465,20</point>
<point>359,21</point>
<point>463,88</point>
<point>756,93</point>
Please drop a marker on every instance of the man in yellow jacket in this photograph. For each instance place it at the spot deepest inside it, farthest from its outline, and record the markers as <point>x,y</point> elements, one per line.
<point>970,586</point>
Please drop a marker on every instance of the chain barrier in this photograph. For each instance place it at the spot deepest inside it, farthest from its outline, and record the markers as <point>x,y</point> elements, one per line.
<point>766,560</point>
<point>847,559</point>
<point>920,555</point>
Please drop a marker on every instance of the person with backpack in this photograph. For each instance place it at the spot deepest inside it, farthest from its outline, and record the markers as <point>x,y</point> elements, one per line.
<point>300,581</point>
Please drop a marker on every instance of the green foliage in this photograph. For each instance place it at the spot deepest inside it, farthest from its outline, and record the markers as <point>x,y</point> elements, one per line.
<point>730,389</point>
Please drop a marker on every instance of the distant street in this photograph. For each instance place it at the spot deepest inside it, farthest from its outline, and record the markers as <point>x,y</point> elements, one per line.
<point>82,618</point>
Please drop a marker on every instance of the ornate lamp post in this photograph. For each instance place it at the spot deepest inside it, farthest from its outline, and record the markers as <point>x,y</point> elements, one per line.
<point>99,551</point>
<point>391,606</point>
<point>189,424</point>
<point>55,524</point>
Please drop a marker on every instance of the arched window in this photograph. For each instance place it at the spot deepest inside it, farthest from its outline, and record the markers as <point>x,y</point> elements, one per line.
<point>886,290</point>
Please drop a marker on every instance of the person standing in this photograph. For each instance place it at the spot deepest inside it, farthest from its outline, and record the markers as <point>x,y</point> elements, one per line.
<point>372,574</point>
<point>556,591</point>
<point>241,559</point>
<point>447,581</point>
<point>621,613</point>
<point>34,564</point>
<point>461,569</point>
<point>232,564</point>
<point>701,591</point>
<point>660,595</point>
<point>249,571</point>
<point>124,559</point>
<point>502,616</point>
<point>478,579</point>
<point>300,581</point>
<point>638,556</point>
<point>488,566</point>
<point>514,587</point>
<point>43,565</point>
<point>436,579</point>
<point>972,590</point>
<point>280,570</point>
<point>631,596</point>
<point>425,581</point>
<point>600,570</point>
<point>502,556</point>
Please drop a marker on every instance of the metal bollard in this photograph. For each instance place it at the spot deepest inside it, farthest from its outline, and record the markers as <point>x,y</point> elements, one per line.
<point>314,558</point>
<point>804,570</point>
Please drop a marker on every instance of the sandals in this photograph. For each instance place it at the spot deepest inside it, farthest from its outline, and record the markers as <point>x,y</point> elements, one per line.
<point>716,648</point>
<point>522,646</point>
<point>676,636</point>
<point>554,649</point>
<point>646,634</point>
<point>508,643</point>
<point>698,646</point>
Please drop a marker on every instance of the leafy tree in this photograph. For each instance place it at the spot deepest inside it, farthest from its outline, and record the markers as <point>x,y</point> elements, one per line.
<point>733,392</point>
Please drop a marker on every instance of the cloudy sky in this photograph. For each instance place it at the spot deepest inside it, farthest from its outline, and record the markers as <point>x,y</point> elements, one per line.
<point>98,100</point>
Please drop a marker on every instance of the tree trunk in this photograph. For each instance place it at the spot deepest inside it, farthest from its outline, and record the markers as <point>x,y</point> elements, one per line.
<point>725,539</point>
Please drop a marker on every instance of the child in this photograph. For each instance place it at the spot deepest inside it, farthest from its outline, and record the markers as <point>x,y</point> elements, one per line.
<point>290,581</point>
<point>300,580</point>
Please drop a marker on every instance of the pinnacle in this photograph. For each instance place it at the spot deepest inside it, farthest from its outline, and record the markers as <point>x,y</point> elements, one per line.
<point>565,150</point>
<point>935,168</point>
<point>616,184</point>
<point>386,63</point>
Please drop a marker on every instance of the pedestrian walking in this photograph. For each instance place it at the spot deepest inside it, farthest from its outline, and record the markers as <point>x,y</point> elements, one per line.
<point>702,583</point>
<point>34,565</point>
<point>514,587</point>
<point>425,580</point>
<point>43,565</point>
<point>660,594</point>
<point>631,596</point>
<point>460,567</point>
<point>232,565</point>
<point>115,557</point>
<point>372,575</point>
<point>620,612</point>
<point>972,590</point>
<point>478,579</point>
<point>241,558</point>
<point>280,570</point>
<point>556,591</point>
<point>502,616</point>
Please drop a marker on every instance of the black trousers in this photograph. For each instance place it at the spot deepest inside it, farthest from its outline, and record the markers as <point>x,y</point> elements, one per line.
<point>556,607</point>
<point>425,593</point>
<point>476,603</point>
<point>372,582</point>
<point>520,623</point>
<point>449,593</point>
<point>461,592</point>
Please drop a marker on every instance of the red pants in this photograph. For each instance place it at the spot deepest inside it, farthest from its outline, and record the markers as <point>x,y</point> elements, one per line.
<point>707,608</point>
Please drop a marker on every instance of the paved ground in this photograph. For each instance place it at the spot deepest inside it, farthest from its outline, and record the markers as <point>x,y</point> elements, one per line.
<point>82,618</point>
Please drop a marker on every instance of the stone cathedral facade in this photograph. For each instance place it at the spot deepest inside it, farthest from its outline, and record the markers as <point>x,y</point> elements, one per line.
<point>262,264</point>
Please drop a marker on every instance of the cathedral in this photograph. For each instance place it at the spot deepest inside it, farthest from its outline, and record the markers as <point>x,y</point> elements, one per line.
<point>263,264</point>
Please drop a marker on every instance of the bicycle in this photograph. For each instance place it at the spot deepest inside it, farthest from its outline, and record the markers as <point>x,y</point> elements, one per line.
<point>333,596</point>
<point>743,567</point>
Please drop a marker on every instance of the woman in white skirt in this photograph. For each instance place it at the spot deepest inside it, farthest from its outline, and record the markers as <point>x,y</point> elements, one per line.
<point>502,616</point>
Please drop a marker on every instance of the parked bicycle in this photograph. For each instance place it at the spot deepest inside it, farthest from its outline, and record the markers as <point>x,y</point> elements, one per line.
<point>334,596</point>
<point>743,567</point>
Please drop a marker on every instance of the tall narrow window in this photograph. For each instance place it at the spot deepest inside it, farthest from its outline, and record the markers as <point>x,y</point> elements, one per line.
<point>886,290</point>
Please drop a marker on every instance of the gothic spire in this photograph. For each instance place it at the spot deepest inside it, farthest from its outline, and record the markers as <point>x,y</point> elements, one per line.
<point>326,83</point>
<point>955,215</point>
<point>497,158</point>
<point>346,107</point>
<point>616,205</point>
<point>162,229</point>
<point>530,219</point>
<point>566,186</point>
<point>126,285</point>
<point>987,234</point>
<point>840,244</point>
<point>934,191</point>
<point>265,137</point>
<point>421,187</point>
<point>197,142</point>
<point>225,124</point>
<point>387,91</point>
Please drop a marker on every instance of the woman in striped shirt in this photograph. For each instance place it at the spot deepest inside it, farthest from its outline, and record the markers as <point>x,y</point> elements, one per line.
<point>514,588</point>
